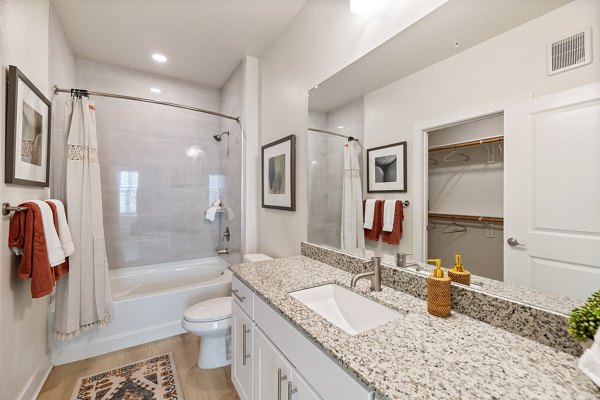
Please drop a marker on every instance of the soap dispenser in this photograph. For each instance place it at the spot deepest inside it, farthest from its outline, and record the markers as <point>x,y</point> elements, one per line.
<point>439,291</point>
<point>458,273</point>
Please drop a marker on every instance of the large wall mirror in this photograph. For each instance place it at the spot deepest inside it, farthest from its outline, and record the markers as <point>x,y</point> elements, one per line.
<point>465,114</point>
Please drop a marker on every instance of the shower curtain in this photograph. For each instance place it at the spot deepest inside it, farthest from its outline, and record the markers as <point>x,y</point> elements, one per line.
<point>352,212</point>
<point>83,296</point>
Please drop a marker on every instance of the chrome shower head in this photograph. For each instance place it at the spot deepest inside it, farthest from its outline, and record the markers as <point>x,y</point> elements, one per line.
<point>218,137</point>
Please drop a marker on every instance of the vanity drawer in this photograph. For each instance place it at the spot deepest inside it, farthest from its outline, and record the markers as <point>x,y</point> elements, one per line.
<point>243,296</point>
<point>325,376</point>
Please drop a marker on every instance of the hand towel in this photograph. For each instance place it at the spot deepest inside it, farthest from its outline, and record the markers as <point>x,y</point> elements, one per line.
<point>212,212</point>
<point>394,236</point>
<point>373,234</point>
<point>369,213</point>
<point>64,233</point>
<point>56,256</point>
<point>389,210</point>
<point>27,233</point>
<point>63,268</point>
<point>589,362</point>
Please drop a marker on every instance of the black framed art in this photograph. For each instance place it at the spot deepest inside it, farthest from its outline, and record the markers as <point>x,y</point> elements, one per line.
<point>386,168</point>
<point>28,119</point>
<point>279,174</point>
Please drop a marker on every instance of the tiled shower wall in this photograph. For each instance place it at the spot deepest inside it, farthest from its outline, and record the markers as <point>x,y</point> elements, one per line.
<point>326,169</point>
<point>160,166</point>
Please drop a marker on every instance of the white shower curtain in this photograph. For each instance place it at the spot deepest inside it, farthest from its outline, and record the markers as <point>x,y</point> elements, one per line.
<point>83,296</point>
<point>352,213</point>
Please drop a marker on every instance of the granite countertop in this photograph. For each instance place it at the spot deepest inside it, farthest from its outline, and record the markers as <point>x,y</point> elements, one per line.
<point>419,356</point>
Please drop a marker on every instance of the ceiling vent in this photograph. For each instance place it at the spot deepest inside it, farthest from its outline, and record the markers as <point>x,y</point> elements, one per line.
<point>571,52</point>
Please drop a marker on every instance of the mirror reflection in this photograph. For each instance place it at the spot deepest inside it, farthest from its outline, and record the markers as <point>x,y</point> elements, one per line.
<point>485,188</point>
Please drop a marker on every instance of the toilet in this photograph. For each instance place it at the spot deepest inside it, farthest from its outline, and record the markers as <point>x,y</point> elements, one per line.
<point>211,320</point>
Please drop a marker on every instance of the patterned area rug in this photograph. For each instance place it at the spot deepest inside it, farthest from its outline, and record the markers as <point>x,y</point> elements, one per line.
<point>152,379</point>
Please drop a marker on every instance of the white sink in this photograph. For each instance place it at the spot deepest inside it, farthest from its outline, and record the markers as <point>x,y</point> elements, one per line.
<point>345,309</point>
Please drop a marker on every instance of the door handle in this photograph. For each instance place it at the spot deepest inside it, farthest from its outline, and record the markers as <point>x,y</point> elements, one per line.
<point>291,390</point>
<point>244,354</point>
<point>235,293</point>
<point>280,378</point>
<point>512,242</point>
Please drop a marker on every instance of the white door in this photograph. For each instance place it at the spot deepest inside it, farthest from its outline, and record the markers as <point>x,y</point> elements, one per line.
<point>552,192</point>
<point>272,370</point>
<point>241,345</point>
<point>299,389</point>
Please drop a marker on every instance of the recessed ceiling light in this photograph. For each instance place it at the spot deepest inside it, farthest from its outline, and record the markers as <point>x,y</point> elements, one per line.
<point>340,127</point>
<point>365,6</point>
<point>159,57</point>
<point>155,90</point>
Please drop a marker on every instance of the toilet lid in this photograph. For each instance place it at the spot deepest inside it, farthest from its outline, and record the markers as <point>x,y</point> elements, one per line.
<point>209,310</point>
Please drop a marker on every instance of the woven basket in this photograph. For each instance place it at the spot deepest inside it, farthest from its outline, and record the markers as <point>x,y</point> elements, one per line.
<point>460,277</point>
<point>439,296</point>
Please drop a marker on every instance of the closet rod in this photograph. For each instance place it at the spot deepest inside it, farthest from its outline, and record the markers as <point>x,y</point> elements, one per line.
<point>469,143</point>
<point>467,218</point>
<point>144,100</point>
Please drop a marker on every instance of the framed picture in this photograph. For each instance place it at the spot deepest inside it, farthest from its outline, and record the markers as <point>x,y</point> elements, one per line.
<point>279,174</point>
<point>386,168</point>
<point>28,130</point>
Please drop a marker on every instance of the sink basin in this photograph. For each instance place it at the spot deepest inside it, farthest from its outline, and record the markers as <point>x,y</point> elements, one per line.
<point>345,309</point>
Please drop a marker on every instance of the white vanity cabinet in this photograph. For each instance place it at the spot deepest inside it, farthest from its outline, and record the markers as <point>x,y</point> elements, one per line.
<point>242,340</point>
<point>275,377</point>
<point>280,362</point>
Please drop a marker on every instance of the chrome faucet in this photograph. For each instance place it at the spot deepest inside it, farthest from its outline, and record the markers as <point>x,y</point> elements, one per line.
<point>375,274</point>
<point>221,252</point>
<point>401,261</point>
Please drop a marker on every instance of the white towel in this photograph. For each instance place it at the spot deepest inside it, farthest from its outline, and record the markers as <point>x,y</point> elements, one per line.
<point>56,255</point>
<point>389,209</point>
<point>369,213</point>
<point>212,212</point>
<point>64,234</point>
<point>589,362</point>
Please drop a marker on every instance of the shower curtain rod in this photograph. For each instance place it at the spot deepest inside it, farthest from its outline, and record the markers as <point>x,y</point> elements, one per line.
<point>334,133</point>
<point>144,100</point>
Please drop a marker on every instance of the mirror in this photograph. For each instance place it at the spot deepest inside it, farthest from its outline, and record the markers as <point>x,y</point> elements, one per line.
<point>435,88</point>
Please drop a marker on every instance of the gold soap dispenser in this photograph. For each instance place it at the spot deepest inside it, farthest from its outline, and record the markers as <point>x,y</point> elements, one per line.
<point>458,273</point>
<point>439,291</point>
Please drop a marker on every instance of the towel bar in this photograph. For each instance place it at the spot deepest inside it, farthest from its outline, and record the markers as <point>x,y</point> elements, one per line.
<point>7,208</point>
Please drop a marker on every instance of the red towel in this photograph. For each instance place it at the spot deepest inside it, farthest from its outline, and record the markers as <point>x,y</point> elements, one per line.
<point>63,268</point>
<point>27,232</point>
<point>373,234</point>
<point>394,236</point>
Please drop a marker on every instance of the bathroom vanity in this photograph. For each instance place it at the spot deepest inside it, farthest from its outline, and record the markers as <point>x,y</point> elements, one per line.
<point>285,347</point>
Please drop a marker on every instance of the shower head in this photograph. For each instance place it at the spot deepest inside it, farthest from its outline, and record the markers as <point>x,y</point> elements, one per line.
<point>218,136</point>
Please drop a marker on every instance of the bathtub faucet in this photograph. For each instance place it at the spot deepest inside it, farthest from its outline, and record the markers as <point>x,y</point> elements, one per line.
<point>221,252</point>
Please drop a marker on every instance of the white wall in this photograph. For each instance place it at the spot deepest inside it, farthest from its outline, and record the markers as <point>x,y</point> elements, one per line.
<point>322,39</point>
<point>24,357</point>
<point>506,67</point>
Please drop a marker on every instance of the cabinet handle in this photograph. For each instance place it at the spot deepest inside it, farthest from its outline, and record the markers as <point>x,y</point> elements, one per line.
<point>291,391</point>
<point>244,355</point>
<point>280,378</point>
<point>235,293</point>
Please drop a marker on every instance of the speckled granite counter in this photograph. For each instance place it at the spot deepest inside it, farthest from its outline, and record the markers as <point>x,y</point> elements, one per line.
<point>419,356</point>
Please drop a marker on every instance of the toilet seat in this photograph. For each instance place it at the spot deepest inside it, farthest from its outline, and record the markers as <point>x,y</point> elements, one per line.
<point>211,310</point>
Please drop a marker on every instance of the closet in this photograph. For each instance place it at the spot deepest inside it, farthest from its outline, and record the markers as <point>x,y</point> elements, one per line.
<point>465,195</point>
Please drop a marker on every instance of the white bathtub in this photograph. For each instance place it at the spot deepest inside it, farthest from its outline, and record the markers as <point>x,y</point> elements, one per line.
<point>149,302</point>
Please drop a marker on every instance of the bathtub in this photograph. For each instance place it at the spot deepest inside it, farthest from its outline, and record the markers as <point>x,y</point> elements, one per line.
<point>149,303</point>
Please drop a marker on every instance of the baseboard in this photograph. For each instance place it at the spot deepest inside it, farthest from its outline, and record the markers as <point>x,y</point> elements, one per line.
<point>35,384</point>
<point>115,342</point>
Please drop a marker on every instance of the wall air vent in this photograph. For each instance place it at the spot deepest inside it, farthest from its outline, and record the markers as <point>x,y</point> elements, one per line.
<point>570,52</point>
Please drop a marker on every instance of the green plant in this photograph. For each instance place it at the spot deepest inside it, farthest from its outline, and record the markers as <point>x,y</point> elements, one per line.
<point>585,320</point>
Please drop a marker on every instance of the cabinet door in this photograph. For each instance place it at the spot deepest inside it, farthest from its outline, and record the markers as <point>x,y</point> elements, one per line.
<point>298,389</point>
<point>272,371</point>
<point>241,343</point>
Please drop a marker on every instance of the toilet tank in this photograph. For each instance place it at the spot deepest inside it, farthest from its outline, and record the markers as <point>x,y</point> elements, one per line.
<point>248,258</point>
